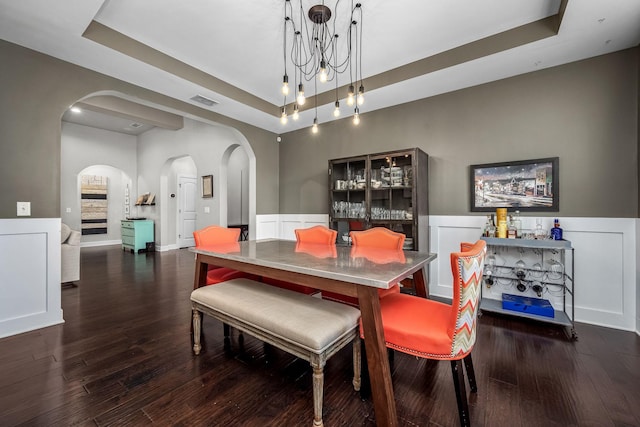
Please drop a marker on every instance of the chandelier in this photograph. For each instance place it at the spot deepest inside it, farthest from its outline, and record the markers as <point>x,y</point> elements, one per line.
<point>320,52</point>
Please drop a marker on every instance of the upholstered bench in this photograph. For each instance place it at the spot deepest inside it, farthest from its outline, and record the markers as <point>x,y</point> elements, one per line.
<point>307,327</point>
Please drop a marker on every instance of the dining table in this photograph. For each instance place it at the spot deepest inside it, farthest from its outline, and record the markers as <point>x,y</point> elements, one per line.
<point>348,270</point>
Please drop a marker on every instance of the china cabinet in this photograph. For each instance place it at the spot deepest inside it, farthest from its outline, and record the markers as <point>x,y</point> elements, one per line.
<point>381,190</point>
<point>530,278</point>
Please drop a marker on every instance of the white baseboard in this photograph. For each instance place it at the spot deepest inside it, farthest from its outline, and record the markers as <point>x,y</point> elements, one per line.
<point>100,243</point>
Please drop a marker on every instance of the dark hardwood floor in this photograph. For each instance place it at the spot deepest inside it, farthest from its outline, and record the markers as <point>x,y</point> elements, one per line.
<point>124,357</point>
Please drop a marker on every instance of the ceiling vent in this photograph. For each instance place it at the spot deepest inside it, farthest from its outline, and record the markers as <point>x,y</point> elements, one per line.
<point>135,125</point>
<point>204,100</point>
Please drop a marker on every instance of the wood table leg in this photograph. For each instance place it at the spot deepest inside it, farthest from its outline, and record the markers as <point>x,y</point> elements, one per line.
<point>200,278</point>
<point>420,284</point>
<point>377,360</point>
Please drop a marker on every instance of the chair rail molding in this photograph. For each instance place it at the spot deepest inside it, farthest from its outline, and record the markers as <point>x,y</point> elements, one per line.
<point>29,274</point>
<point>606,270</point>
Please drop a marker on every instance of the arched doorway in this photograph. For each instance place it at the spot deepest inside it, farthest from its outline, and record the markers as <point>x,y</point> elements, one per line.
<point>178,206</point>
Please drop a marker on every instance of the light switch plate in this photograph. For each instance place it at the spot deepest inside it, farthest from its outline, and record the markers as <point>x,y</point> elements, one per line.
<point>24,208</point>
<point>206,209</point>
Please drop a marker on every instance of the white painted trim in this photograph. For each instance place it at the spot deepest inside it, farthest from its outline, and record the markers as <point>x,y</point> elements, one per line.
<point>29,274</point>
<point>605,255</point>
<point>100,243</point>
<point>165,248</point>
<point>282,226</point>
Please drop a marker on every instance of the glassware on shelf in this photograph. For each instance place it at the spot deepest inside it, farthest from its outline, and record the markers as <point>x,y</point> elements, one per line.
<point>408,176</point>
<point>520,269</point>
<point>490,264</point>
<point>556,270</point>
<point>536,270</point>
<point>521,286</point>
<point>376,179</point>
<point>539,232</point>
<point>538,288</point>
<point>517,222</point>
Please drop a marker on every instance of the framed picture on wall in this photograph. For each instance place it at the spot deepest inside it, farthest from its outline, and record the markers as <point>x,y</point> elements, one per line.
<point>207,186</point>
<point>525,185</point>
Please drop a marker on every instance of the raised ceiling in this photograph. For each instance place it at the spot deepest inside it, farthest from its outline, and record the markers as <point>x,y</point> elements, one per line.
<point>231,51</point>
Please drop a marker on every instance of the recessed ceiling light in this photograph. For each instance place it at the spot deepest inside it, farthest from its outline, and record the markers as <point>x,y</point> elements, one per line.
<point>76,110</point>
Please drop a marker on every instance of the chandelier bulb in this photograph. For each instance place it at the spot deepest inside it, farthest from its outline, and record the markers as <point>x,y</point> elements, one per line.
<point>323,72</point>
<point>356,117</point>
<point>285,85</point>
<point>350,96</point>
<point>301,99</point>
<point>361,95</point>
<point>283,116</point>
<point>314,128</point>
<point>296,114</point>
<point>336,111</point>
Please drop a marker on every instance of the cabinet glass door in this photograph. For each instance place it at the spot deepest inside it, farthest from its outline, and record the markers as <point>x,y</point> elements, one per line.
<point>391,194</point>
<point>348,196</point>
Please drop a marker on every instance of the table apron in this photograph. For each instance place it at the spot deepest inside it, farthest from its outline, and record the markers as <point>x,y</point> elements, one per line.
<point>321,283</point>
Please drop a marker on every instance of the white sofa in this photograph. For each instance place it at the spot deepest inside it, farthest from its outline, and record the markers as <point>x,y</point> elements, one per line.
<point>70,254</point>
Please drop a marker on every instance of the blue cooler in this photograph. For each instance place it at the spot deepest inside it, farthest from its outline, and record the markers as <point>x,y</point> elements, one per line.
<point>529,305</point>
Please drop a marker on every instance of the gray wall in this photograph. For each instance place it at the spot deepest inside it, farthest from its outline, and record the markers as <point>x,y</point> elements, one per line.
<point>108,154</point>
<point>37,89</point>
<point>586,113</point>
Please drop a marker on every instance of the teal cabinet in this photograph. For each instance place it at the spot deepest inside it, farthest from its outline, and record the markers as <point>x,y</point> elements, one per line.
<point>136,234</point>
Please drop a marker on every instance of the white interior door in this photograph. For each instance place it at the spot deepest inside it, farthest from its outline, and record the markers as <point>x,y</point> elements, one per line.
<point>187,193</point>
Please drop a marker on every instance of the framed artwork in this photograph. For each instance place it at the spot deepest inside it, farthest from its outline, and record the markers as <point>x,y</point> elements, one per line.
<point>207,186</point>
<point>525,185</point>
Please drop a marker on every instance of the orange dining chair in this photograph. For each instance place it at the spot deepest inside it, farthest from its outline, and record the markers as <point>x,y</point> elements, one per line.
<point>215,235</point>
<point>433,330</point>
<point>317,235</point>
<point>374,238</point>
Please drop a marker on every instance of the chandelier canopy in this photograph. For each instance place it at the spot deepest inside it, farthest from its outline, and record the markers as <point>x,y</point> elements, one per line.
<point>320,52</point>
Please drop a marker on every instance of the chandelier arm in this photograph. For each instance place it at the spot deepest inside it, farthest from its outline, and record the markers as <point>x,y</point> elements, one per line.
<point>299,56</point>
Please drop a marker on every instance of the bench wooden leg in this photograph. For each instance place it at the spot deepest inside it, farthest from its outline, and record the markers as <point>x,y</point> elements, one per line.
<point>357,363</point>
<point>197,326</point>
<point>318,387</point>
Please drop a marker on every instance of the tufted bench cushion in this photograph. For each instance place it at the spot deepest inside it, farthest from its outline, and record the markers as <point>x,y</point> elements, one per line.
<point>307,327</point>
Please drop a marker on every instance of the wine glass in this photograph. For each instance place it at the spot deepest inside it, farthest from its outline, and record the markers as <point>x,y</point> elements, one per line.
<point>490,264</point>
<point>557,270</point>
<point>537,288</point>
<point>536,270</point>
<point>519,269</point>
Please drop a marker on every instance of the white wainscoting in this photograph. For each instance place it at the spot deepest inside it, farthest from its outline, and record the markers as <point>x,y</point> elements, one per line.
<point>29,274</point>
<point>283,226</point>
<point>606,274</point>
